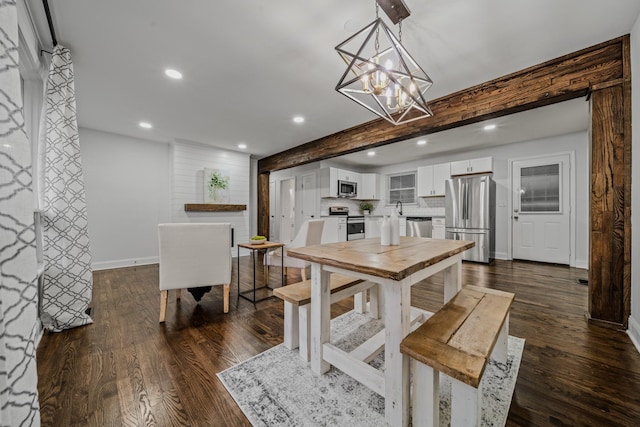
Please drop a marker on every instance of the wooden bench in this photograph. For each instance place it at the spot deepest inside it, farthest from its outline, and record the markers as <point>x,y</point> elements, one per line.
<point>458,340</point>
<point>297,299</point>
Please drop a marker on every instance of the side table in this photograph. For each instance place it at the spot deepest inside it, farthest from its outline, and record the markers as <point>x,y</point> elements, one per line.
<point>253,248</point>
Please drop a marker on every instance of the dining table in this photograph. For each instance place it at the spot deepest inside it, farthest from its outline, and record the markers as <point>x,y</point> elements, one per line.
<point>395,268</point>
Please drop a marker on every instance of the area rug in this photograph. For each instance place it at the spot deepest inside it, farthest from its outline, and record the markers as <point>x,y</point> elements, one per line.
<point>277,388</point>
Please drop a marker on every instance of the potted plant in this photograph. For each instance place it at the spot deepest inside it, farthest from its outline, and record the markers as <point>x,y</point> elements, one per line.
<point>216,181</point>
<point>366,207</point>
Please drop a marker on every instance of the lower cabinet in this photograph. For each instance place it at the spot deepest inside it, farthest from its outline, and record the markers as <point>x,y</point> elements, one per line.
<point>372,227</point>
<point>438,228</point>
<point>334,230</point>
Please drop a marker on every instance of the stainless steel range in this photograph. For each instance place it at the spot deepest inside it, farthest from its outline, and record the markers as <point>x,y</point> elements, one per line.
<point>355,223</point>
<point>355,227</point>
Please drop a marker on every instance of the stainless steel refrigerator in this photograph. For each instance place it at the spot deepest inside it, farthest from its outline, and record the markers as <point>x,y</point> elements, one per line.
<point>470,214</point>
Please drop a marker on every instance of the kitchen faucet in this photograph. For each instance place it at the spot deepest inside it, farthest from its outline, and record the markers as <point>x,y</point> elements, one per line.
<point>400,211</point>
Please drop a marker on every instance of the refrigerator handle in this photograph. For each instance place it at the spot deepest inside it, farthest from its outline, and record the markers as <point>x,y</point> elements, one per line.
<point>465,200</point>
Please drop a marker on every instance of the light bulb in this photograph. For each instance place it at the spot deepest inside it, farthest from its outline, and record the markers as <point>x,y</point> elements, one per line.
<point>388,65</point>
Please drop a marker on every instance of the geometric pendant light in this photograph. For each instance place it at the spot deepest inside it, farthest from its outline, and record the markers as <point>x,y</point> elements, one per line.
<point>382,76</point>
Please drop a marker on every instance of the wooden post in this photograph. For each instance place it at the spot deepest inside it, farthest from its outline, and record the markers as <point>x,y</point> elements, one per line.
<point>610,214</point>
<point>263,204</point>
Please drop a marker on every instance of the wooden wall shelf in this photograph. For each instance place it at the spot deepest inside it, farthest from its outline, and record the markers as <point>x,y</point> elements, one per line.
<point>211,207</point>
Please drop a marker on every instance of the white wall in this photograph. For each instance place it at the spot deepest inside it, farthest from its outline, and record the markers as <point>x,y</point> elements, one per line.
<point>634,320</point>
<point>188,162</point>
<point>577,142</point>
<point>128,194</point>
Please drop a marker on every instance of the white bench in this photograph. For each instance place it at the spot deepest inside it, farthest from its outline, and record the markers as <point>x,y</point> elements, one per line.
<point>458,340</point>
<point>297,300</point>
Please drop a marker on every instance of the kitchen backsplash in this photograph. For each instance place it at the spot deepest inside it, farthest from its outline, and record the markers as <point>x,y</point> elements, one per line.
<point>430,206</point>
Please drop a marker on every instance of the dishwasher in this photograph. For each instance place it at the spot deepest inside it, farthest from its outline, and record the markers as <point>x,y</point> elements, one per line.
<point>419,226</point>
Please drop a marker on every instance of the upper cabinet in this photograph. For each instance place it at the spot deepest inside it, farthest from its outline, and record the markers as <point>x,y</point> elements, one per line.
<point>369,187</point>
<point>329,178</point>
<point>345,175</point>
<point>466,167</point>
<point>432,178</point>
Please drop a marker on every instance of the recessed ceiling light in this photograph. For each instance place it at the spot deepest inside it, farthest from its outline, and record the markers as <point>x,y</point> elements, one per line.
<point>242,146</point>
<point>174,74</point>
<point>489,127</point>
<point>422,142</point>
<point>371,153</point>
<point>298,119</point>
<point>145,125</point>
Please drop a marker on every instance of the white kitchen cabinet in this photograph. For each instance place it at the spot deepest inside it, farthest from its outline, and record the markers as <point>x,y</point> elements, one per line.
<point>334,230</point>
<point>345,175</point>
<point>328,182</point>
<point>465,167</point>
<point>372,227</point>
<point>403,226</point>
<point>437,231</point>
<point>329,178</point>
<point>431,179</point>
<point>369,187</point>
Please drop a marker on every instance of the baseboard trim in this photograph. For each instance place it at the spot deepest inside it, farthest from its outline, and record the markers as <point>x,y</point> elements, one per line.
<point>634,332</point>
<point>581,263</point>
<point>132,262</point>
<point>604,323</point>
<point>501,255</point>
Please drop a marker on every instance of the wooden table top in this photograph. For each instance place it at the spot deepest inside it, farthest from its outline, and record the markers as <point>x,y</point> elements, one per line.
<point>265,245</point>
<point>391,262</point>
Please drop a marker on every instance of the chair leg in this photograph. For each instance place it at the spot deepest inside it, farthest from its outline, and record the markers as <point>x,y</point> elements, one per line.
<point>303,273</point>
<point>178,293</point>
<point>164,298</point>
<point>226,298</point>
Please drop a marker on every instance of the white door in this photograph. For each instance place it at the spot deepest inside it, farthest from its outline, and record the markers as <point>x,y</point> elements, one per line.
<point>272,211</point>
<point>287,210</point>
<point>308,197</point>
<point>541,209</point>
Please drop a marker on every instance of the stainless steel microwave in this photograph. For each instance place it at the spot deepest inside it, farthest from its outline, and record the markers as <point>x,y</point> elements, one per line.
<point>347,188</point>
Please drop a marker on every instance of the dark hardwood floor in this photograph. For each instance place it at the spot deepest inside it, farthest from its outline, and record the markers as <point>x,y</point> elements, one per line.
<point>127,369</point>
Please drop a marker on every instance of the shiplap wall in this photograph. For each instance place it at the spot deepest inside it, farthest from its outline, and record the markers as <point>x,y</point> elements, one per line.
<point>188,160</point>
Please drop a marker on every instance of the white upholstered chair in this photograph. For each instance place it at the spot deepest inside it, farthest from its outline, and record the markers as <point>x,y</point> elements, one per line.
<point>194,255</point>
<point>310,233</point>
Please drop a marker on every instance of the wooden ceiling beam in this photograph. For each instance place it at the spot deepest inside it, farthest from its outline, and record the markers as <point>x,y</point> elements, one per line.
<point>567,77</point>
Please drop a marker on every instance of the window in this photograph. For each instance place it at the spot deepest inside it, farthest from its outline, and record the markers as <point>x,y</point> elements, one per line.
<point>402,188</point>
<point>540,188</point>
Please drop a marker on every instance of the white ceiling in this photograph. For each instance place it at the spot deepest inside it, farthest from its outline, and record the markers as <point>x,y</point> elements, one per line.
<point>249,66</point>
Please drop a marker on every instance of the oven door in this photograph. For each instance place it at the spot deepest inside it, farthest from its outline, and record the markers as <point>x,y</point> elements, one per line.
<point>355,230</point>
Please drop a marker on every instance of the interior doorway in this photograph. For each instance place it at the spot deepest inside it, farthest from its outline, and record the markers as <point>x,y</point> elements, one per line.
<point>287,210</point>
<point>542,194</point>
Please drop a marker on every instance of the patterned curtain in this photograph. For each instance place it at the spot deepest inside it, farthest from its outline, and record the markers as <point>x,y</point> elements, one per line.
<point>67,279</point>
<point>18,290</point>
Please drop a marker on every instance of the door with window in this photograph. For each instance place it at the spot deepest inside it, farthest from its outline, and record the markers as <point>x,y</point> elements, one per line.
<point>541,209</point>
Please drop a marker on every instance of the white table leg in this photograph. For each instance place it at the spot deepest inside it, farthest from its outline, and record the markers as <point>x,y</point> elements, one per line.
<point>320,317</point>
<point>290,326</point>
<point>465,404</point>
<point>360,302</point>
<point>452,280</point>
<point>426,395</point>
<point>305,330</point>
<point>397,321</point>
<point>375,302</point>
